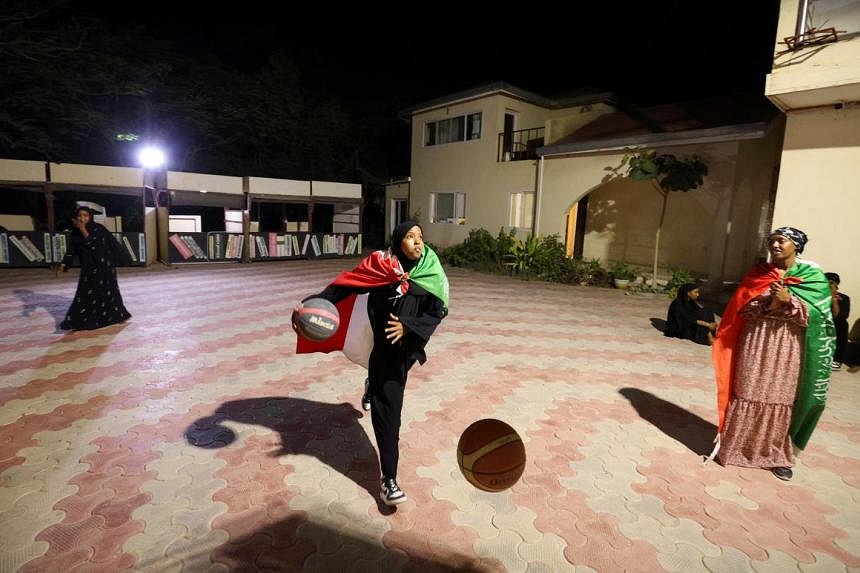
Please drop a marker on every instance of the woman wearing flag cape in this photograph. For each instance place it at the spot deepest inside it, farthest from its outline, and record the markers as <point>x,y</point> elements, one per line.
<point>772,359</point>
<point>386,331</point>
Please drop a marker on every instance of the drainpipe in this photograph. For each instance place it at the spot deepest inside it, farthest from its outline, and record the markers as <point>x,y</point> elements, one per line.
<point>538,189</point>
<point>803,10</point>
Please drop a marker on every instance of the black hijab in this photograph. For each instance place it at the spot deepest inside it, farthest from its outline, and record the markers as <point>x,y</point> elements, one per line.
<point>90,224</point>
<point>686,301</point>
<point>396,238</point>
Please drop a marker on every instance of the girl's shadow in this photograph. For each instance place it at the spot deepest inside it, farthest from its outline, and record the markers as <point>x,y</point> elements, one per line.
<point>674,421</point>
<point>328,432</point>
<point>56,305</point>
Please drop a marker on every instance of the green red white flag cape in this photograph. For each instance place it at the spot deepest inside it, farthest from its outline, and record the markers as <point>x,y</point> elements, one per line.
<point>806,281</point>
<point>354,336</point>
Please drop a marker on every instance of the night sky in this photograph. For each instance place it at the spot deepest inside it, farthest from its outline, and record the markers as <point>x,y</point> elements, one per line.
<point>649,52</point>
<point>376,62</point>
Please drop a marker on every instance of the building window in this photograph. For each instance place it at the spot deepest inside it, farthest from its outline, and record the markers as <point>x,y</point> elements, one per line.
<point>448,207</point>
<point>399,212</point>
<point>818,15</point>
<point>453,129</point>
<point>520,210</point>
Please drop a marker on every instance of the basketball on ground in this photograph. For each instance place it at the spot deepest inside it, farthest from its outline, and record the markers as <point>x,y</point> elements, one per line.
<point>316,319</point>
<point>491,455</point>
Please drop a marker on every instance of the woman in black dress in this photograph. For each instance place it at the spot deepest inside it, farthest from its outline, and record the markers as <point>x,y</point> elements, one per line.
<point>688,319</point>
<point>98,301</point>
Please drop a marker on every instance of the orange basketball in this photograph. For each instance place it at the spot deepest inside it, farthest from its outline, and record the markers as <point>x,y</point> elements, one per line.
<point>491,455</point>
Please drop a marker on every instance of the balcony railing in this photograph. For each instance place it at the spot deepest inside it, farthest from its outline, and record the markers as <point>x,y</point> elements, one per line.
<point>520,145</point>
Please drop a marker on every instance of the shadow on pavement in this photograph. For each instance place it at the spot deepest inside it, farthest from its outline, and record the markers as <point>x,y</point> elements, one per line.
<point>328,432</point>
<point>679,424</point>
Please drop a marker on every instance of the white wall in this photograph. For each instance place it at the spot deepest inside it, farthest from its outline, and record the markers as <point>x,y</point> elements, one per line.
<point>819,188</point>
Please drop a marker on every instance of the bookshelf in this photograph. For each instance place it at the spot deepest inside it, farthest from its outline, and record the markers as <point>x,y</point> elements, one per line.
<point>332,245</point>
<point>187,247</point>
<point>26,249</point>
<point>42,249</point>
<point>224,246</point>
<point>284,246</point>
<point>135,245</point>
<point>277,246</point>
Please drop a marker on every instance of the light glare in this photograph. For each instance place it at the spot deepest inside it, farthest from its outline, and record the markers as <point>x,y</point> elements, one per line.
<point>151,157</point>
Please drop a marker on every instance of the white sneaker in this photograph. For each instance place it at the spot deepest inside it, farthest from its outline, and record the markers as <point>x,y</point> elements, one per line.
<point>365,399</point>
<point>390,492</point>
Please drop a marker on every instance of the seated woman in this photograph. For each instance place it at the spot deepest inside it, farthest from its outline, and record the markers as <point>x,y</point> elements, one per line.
<point>688,319</point>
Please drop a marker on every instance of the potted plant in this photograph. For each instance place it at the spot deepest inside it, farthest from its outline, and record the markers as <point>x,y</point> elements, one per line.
<point>622,274</point>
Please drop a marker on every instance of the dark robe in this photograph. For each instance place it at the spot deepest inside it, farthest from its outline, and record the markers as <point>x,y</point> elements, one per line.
<point>841,324</point>
<point>420,313</point>
<point>682,317</point>
<point>97,302</point>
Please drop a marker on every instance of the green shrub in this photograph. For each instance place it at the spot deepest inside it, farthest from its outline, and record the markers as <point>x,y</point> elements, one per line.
<point>623,271</point>
<point>542,258</point>
<point>480,251</point>
<point>590,272</point>
<point>679,277</point>
<point>551,262</point>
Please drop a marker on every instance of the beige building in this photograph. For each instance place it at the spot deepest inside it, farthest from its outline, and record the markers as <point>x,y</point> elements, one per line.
<point>501,157</point>
<point>816,82</point>
<point>473,156</point>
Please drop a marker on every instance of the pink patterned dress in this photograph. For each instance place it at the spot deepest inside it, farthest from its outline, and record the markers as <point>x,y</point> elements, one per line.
<point>768,358</point>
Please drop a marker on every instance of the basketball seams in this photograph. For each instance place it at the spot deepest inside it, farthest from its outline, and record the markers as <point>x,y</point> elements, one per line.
<point>317,319</point>
<point>483,451</point>
<point>468,460</point>
<point>319,312</point>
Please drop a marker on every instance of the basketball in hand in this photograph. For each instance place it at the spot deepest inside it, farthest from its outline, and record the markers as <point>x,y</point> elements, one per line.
<point>491,455</point>
<point>316,319</point>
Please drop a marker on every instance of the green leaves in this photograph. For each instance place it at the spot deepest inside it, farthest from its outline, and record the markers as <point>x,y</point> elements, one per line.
<point>669,172</point>
<point>643,167</point>
<point>681,174</point>
<point>522,254</point>
<point>623,271</point>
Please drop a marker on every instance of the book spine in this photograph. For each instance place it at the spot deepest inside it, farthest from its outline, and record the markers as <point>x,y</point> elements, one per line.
<point>196,248</point>
<point>131,252</point>
<point>4,249</point>
<point>273,244</point>
<point>58,245</point>
<point>20,246</point>
<point>48,248</point>
<point>34,250</point>
<point>181,246</point>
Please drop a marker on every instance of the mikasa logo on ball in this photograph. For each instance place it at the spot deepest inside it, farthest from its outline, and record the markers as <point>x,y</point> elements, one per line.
<point>321,322</point>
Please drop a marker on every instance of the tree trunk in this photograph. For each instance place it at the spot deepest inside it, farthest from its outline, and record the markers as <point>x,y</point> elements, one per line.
<point>665,195</point>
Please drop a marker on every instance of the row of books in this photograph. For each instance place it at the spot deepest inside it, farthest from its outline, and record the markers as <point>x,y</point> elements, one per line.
<point>274,245</point>
<point>141,245</point>
<point>53,246</point>
<point>229,249</point>
<point>187,247</point>
<point>27,248</point>
<point>335,244</point>
<point>277,245</point>
<point>221,246</point>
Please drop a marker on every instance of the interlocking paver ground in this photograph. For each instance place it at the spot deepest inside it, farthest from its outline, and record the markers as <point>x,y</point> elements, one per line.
<point>193,438</point>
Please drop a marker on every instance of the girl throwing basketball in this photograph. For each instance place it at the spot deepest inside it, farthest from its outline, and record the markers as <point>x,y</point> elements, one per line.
<point>407,299</point>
